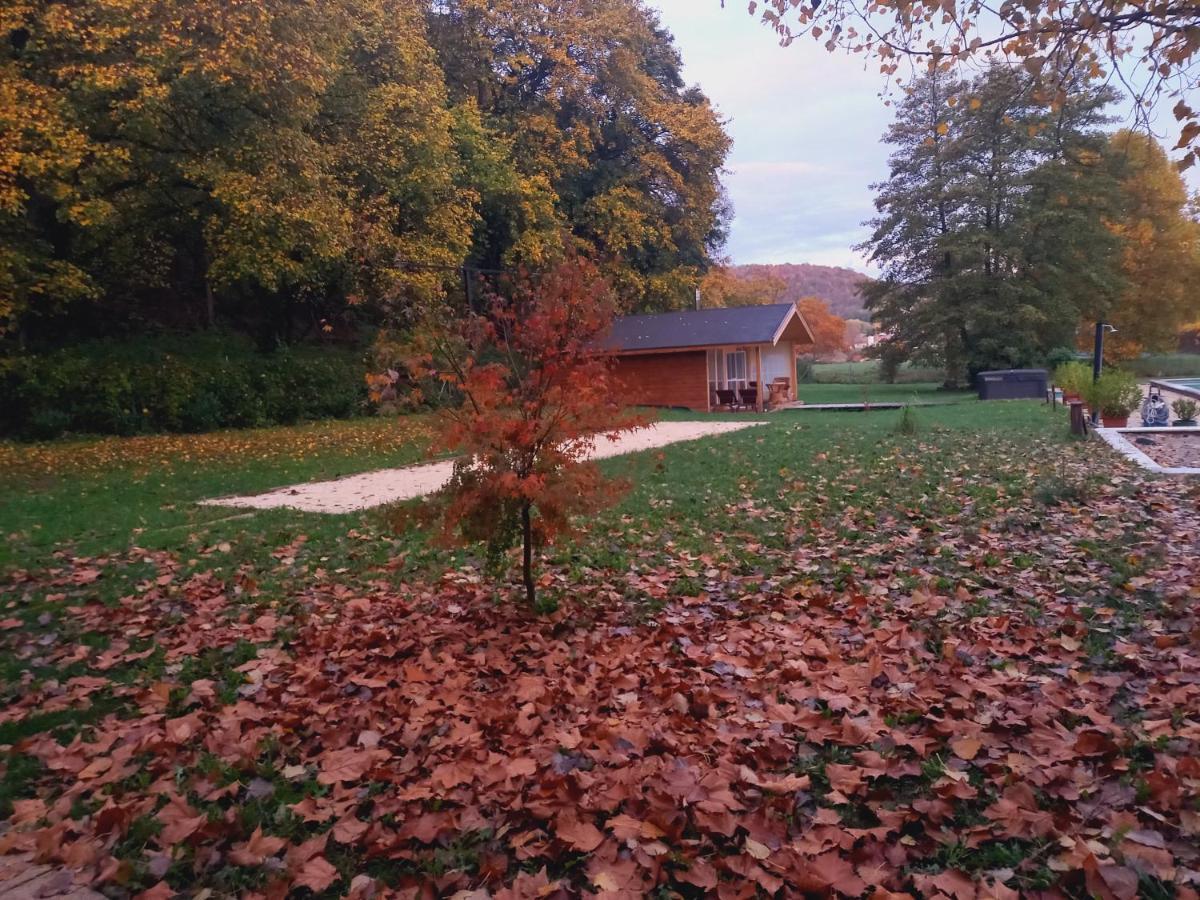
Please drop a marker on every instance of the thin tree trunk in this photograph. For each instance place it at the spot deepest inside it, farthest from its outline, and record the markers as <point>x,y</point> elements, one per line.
<point>210,304</point>
<point>527,562</point>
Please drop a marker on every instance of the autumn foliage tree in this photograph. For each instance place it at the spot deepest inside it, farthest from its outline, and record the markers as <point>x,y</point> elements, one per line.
<point>536,395</point>
<point>1160,248</point>
<point>588,98</point>
<point>828,330</point>
<point>725,286</point>
<point>198,162</point>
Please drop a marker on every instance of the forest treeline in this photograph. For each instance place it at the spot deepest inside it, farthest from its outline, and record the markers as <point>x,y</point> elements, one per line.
<point>283,166</point>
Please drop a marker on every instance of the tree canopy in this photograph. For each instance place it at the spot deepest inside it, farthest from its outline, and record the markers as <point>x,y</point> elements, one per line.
<point>590,97</point>
<point>828,330</point>
<point>1160,252</point>
<point>992,231</point>
<point>277,162</point>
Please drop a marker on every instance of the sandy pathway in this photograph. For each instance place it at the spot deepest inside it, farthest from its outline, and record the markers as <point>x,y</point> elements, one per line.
<point>346,495</point>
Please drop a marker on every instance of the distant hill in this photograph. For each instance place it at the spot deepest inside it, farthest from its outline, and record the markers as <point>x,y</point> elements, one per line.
<point>835,285</point>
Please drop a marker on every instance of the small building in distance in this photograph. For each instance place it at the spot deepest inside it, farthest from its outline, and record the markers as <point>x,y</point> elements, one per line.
<point>706,359</point>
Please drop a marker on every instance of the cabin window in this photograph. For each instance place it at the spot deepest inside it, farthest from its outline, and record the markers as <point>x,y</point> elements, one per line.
<point>735,368</point>
<point>726,369</point>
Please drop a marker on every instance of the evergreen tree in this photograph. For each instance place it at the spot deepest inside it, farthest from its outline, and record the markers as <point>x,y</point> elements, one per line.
<point>918,212</point>
<point>991,229</point>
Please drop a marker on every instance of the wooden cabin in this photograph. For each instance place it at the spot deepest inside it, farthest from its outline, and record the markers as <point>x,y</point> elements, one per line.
<point>742,357</point>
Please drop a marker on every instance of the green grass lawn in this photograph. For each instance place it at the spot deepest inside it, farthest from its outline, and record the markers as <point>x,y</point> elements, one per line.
<point>1149,365</point>
<point>1166,365</point>
<point>822,567</point>
<point>867,372</point>
<point>106,494</point>
<point>905,392</point>
<point>109,499</point>
<point>101,498</point>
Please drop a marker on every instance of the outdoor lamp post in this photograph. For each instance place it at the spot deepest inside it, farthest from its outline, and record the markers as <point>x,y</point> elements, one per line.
<point>1097,361</point>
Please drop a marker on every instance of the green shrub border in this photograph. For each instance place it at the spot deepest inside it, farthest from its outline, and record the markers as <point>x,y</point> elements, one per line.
<point>176,384</point>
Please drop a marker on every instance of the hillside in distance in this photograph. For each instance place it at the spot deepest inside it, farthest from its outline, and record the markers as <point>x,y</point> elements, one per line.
<point>835,285</point>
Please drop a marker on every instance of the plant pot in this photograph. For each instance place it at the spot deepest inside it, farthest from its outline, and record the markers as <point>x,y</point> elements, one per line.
<point>1068,396</point>
<point>1116,421</point>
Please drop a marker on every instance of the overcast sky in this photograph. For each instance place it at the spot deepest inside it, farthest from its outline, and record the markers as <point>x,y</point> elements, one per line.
<point>806,126</point>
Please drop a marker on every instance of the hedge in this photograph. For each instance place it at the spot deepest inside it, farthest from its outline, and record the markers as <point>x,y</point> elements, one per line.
<point>191,384</point>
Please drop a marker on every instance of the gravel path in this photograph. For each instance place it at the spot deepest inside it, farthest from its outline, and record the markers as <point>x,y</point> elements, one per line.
<point>356,492</point>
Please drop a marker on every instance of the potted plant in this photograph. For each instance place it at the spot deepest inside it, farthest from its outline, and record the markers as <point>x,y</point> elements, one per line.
<point>1074,378</point>
<point>1186,411</point>
<point>1115,394</point>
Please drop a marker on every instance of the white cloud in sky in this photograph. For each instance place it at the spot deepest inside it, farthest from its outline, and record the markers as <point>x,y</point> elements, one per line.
<point>805,124</point>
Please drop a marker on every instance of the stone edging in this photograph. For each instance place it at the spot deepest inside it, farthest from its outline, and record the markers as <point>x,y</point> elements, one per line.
<point>1173,388</point>
<point>1115,438</point>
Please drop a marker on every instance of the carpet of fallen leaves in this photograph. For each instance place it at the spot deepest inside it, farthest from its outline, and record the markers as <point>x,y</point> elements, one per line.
<point>779,732</point>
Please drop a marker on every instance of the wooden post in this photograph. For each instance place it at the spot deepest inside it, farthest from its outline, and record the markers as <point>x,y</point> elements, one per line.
<point>795,383</point>
<point>709,368</point>
<point>1079,421</point>
<point>758,374</point>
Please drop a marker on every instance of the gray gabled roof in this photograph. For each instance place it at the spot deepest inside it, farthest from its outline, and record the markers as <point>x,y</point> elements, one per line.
<point>699,328</point>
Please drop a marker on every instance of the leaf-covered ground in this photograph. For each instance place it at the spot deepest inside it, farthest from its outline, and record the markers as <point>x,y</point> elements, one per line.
<point>819,658</point>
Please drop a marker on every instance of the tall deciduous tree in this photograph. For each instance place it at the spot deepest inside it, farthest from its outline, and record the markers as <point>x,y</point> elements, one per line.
<point>991,233</point>
<point>590,96</point>
<point>181,161</point>
<point>1160,254</point>
<point>271,153</point>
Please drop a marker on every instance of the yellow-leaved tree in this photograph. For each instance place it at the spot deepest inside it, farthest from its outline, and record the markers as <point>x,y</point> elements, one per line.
<point>724,286</point>
<point>1160,248</point>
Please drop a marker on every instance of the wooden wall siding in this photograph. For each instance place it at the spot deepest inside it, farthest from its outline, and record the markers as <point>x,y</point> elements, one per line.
<point>664,379</point>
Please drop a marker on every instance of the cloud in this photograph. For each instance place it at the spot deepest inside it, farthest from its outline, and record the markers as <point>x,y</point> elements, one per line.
<point>770,169</point>
<point>805,125</point>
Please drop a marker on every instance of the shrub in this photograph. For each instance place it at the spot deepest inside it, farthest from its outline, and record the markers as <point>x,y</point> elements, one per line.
<point>172,384</point>
<point>1060,356</point>
<point>1115,393</point>
<point>1185,410</point>
<point>804,370</point>
<point>908,424</point>
<point>1073,377</point>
